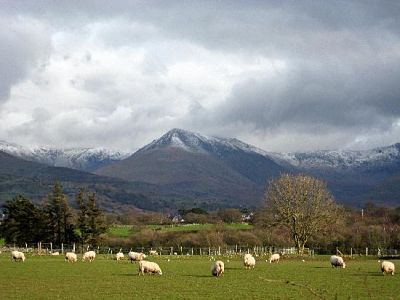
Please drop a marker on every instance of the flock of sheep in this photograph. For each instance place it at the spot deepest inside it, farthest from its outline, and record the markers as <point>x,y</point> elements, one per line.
<point>217,268</point>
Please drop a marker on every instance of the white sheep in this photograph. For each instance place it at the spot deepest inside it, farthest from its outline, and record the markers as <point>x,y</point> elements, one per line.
<point>274,258</point>
<point>249,261</point>
<point>149,267</point>
<point>90,256</point>
<point>55,253</point>
<point>71,257</point>
<point>153,252</point>
<point>136,256</point>
<point>17,255</point>
<point>387,267</point>
<point>217,268</point>
<point>337,261</point>
<point>119,256</point>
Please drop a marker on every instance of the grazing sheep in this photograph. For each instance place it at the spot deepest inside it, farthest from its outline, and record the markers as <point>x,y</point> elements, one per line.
<point>17,255</point>
<point>387,267</point>
<point>149,267</point>
<point>217,268</point>
<point>90,256</point>
<point>71,257</point>
<point>119,256</point>
<point>153,252</point>
<point>55,253</point>
<point>136,256</point>
<point>337,261</point>
<point>249,261</point>
<point>274,258</point>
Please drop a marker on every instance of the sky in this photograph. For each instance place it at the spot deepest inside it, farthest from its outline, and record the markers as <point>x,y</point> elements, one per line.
<point>281,75</point>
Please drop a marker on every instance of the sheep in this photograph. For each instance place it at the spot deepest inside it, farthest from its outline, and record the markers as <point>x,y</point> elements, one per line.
<point>55,253</point>
<point>153,252</point>
<point>119,256</point>
<point>136,256</point>
<point>149,267</point>
<point>337,261</point>
<point>90,256</point>
<point>71,257</point>
<point>274,258</point>
<point>249,261</point>
<point>387,267</point>
<point>17,255</point>
<point>217,268</point>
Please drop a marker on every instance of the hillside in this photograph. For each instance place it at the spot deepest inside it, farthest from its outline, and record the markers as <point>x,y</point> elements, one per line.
<point>35,180</point>
<point>231,172</point>
<point>354,177</point>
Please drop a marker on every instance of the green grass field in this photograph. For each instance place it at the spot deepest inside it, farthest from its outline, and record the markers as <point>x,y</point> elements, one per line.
<point>119,231</point>
<point>47,277</point>
<point>126,230</point>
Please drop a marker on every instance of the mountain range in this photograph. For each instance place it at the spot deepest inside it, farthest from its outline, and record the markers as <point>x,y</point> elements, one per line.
<point>83,159</point>
<point>184,169</point>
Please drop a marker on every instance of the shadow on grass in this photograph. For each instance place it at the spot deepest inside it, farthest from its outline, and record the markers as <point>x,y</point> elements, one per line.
<point>197,276</point>
<point>375,274</point>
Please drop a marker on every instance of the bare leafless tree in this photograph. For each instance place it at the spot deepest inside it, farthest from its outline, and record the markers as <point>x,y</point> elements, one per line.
<point>303,204</point>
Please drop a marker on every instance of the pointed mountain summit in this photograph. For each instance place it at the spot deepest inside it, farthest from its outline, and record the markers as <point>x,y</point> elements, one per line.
<point>212,170</point>
<point>197,143</point>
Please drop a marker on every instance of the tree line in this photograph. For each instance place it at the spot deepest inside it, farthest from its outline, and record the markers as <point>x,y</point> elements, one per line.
<point>53,220</point>
<point>298,210</point>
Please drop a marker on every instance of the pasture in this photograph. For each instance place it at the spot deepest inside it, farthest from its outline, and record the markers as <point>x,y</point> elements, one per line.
<point>126,230</point>
<point>188,277</point>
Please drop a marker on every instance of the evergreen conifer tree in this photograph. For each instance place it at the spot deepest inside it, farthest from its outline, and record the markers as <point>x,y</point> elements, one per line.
<point>59,225</point>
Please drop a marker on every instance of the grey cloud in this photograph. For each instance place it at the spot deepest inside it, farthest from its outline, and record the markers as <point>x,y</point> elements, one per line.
<point>340,78</point>
<point>224,24</point>
<point>24,43</point>
<point>318,99</point>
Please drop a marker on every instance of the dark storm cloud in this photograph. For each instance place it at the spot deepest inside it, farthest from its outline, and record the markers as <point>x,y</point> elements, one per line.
<point>328,99</point>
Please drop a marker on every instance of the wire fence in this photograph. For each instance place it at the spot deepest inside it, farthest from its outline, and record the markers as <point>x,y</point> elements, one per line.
<point>51,248</point>
<point>54,249</point>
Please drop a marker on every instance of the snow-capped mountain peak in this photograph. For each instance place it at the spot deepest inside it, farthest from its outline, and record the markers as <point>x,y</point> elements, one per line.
<point>198,143</point>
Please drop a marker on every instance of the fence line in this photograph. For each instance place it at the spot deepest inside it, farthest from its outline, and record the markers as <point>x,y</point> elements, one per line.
<point>49,248</point>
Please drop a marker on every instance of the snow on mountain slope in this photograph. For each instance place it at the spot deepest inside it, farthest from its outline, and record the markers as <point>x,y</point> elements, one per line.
<point>84,159</point>
<point>198,143</point>
<point>90,159</point>
<point>342,159</point>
